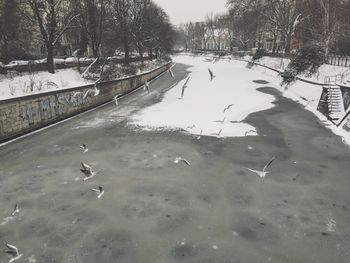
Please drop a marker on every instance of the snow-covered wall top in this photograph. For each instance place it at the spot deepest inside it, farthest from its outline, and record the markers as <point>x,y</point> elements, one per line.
<point>22,115</point>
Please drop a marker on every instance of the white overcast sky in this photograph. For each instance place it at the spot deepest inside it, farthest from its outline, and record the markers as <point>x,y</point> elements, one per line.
<point>181,11</point>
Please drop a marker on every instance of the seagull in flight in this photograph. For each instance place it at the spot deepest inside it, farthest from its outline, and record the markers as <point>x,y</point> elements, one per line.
<point>198,137</point>
<point>249,132</point>
<point>262,173</point>
<point>87,171</point>
<point>91,92</point>
<point>184,87</point>
<point>228,107</point>
<point>146,86</point>
<point>221,121</point>
<point>15,210</point>
<point>217,134</point>
<point>180,159</point>
<point>212,76</point>
<point>171,72</point>
<point>84,148</point>
<point>13,251</point>
<point>99,191</point>
<point>116,99</point>
<point>190,127</point>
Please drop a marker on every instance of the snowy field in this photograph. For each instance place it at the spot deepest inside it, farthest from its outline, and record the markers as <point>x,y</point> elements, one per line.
<point>201,110</point>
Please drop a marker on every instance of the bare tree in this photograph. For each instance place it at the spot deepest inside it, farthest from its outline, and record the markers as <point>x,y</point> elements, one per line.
<point>52,22</point>
<point>91,18</point>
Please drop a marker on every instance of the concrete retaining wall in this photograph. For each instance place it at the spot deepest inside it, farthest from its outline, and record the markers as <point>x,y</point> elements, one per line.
<point>22,115</point>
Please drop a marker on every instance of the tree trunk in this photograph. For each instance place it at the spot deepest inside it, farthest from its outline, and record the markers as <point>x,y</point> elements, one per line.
<point>288,44</point>
<point>274,45</point>
<point>95,52</point>
<point>50,60</point>
<point>126,51</point>
<point>150,54</point>
<point>141,53</point>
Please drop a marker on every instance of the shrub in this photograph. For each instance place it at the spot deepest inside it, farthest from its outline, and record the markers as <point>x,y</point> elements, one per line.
<point>307,61</point>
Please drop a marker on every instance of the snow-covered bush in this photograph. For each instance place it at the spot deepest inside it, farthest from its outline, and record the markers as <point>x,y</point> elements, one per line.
<point>307,61</point>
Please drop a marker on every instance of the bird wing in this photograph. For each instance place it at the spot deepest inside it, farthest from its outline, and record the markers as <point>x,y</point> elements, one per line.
<point>12,249</point>
<point>219,132</point>
<point>86,166</point>
<point>254,171</point>
<point>268,164</point>
<point>96,190</point>
<point>186,81</point>
<point>186,162</point>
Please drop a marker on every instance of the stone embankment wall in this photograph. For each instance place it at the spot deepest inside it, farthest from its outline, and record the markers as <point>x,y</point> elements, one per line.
<point>22,115</point>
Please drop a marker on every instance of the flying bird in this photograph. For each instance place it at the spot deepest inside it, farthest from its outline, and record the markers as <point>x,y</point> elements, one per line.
<point>171,73</point>
<point>116,100</point>
<point>13,251</point>
<point>217,134</point>
<point>200,135</point>
<point>221,121</point>
<point>190,127</point>
<point>91,92</point>
<point>263,173</point>
<point>184,87</point>
<point>180,159</point>
<point>87,171</point>
<point>146,86</point>
<point>99,191</point>
<point>84,148</point>
<point>212,76</point>
<point>228,107</point>
<point>15,210</point>
<point>248,132</point>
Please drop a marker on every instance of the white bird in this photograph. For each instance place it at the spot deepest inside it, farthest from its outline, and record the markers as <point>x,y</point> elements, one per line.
<point>180,159</point>
<point>116,99</point>
<point>84,148</point>
<point>217,134</point>
<point>91,92</point>
<point>221,121</point>
<point>87,171</point>
<point>15,211</point>
<point>228,107</point>
<point>146,86</point>
<point>184,87</point>
<point>99,191</point>
<point>212,76</point>
<point>263,173</point>
<point>200,135</point>
<point>96,91</point>
<point>171,73</point>
<point>13,251</point>
<point>190,127</point>
<point>248,132</point>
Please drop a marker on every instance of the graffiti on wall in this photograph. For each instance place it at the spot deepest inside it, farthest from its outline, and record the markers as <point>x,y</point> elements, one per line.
<point>53,106</point>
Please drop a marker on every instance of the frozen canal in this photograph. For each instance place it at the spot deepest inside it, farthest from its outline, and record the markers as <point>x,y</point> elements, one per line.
<point>156,211</point>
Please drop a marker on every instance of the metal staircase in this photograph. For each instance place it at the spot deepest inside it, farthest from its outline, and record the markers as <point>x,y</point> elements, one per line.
<point>335,103</point>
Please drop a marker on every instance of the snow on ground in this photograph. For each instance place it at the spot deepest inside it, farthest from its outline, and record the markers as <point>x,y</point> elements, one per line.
<point>201,111</point>
<point>16,84</point>
<point>307,94</point>
<point>38,82</point>
<point>324,70</point>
